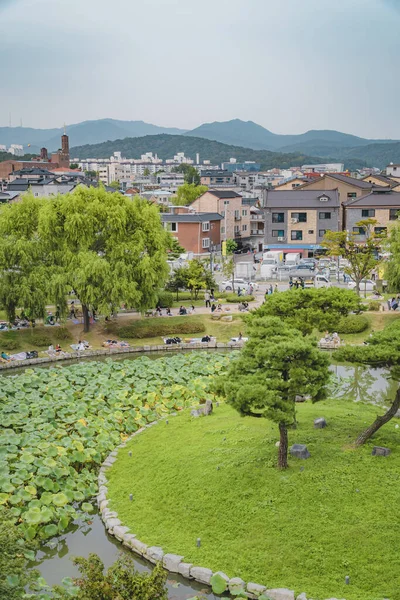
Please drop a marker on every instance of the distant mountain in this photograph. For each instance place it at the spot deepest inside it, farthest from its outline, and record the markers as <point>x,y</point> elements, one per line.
<point>251,135</point>
<point>88,132</point>
<point>166,146</point>
<point>378,155</point>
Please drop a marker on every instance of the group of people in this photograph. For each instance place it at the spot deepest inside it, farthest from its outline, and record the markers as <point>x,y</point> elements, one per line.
<point>299,282</point>
<point>209,298</point>
<point>57,349</point>
<point>393,303</point>
<point>245,291</point>
<point>270,290</point>
<point>216,308</point>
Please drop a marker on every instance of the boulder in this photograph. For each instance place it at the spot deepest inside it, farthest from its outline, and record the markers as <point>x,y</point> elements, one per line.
<point>380,451</point>
<point>171,562</point>
<point>299,398</point>
<point>103,504</point>
<point>154,554</point>
<point>302,596</point>
<point>112,522</point>
<point>236,585</point>
<point>201,574</point>
<point>254,589</point>
<point>319,423</point>
<point>299,451</point>
<point>227,318</point>
<point>196,413</point>
<point>127,539</point>
<point>208,407</point>
<point>139,547</point>
<point>397,415</point>
<point>280,594</point>
<point>119,532</point>
<point>184,569</point>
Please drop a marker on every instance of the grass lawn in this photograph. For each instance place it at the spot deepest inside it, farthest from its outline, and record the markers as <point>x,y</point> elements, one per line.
<point>306,528</point>
<point>377,322</point>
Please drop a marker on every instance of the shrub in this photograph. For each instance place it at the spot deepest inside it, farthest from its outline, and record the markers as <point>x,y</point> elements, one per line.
<point>165,299</point>
<point>39,339</point>
<point>352,324</point>
<point>161,326</point>
<point>374,305</point>
<point>61,334</point>
<point>8,344</point>
<point>235,298</point>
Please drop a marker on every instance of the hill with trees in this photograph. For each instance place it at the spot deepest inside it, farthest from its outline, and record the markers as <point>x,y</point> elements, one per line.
<point>166,146</point>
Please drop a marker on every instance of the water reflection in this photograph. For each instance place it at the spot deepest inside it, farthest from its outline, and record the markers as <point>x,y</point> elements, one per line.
<point>363,384</point>
<point>54,562</point>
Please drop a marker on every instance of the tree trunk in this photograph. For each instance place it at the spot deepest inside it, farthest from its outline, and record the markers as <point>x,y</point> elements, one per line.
<point>379,421</point>
<point>86,320</point>
<point>283,447</point>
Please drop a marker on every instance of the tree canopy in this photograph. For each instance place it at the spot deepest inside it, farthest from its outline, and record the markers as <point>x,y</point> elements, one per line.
<point>393,265</point>
<point>362,256</point>
<point>194,276</point>
<point>310,309</point>
<point>188,193</point>
<point>274,366</point>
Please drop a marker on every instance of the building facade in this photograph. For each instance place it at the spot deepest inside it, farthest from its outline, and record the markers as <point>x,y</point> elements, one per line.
<point>228,204</point>
<point>197,233</point>
<point>384,207</point>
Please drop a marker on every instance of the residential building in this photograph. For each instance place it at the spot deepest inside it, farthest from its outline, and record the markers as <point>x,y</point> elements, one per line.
<point>228,204</point>
<point>214,178</point>
<point>382,181</point>
<point>248,165</point>
<point>163,197</point>
<point>8,197</point>
<point>296,220</point>
<point>381,205</point>
<point>292,183</point>
<point>393,169</point>
<point>196,232</point>
<point>324,168</point>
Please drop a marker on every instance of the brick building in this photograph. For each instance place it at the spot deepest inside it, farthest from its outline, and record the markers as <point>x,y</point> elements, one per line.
<point>197,233</point>
<point>228,204</point>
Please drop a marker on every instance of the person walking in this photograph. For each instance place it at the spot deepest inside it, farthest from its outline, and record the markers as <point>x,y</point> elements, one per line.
<point>276,288</point>
<point>207,299</point>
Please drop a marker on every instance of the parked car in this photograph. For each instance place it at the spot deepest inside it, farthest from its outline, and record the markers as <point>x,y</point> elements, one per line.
<point>310,262</point>
<point>226,286</point>
<point>258,257</point>
<point>366,285</point>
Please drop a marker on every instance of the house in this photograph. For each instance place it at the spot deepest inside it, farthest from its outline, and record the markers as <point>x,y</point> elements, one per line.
<point>383,206</point>
<point>228,204</point>
<point>393,170</point>
<point>163,197</point>
<point>292,183</point>
<point>216,178</point>
<point>296,220</point>
<point>6,197</point>
<point>382,181</point>
<point>196,232</point>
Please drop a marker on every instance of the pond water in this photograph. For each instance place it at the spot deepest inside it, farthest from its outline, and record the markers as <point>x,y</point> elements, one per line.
<point>358,383</point>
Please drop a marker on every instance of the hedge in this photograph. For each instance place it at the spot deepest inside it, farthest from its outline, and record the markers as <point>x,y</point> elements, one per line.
<point>165,299</point>
<point>160,327</point>
<point>374,305</point>
<point>235,298</point>
<point>352,324</point>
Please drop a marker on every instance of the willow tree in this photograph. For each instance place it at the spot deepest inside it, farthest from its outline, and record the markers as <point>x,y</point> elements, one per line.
<point>275,366</point>
<point>24,264</point>
<point>106,247</point>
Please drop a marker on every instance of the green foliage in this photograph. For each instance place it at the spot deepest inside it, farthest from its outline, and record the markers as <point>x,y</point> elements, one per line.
<point>115,185</point>
<point>311,309</point>
<point>191,175</point>
<point>165,299</point>
<point>374,305</point>
<point>231,246</point>
<point>13,573</point>
<point>194,277</point>
<point>74,166</point>
<point>38,338</point>
<point>174,248</point>
<point>121,581</point>
<point>61,334</point>
<point>274,367</point>
<point>218,584</point>
<point>266,518</point>
<point>383,349</point>
<point>352,324</point>
<point>393,265</point>
<point>57,426</point>
<point>8,344</point>
<point>188,193</point>
<point>361,255</point>
<point>160,327</point>
<point>234,298</point>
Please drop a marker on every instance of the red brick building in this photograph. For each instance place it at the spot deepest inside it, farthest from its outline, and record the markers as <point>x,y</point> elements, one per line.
<point>196,232</point>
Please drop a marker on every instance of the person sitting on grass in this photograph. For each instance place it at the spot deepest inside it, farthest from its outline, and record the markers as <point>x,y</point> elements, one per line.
<point>58,348</point>
<point>5,357</point>
<point>168,312</point>
<point>219,308</point>
<point>182,310</point>
<point>213,308</point>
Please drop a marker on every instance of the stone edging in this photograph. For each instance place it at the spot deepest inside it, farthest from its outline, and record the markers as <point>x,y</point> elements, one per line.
<point>173,563</point>
<point>111,351</point>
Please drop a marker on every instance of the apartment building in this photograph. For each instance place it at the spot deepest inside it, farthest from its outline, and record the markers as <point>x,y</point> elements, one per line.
<point>228,204</point>
<point>347,187</point>
<point>215,178</point>
<point>383,206</point>
<point>196,232</point>
<point>296,220</point>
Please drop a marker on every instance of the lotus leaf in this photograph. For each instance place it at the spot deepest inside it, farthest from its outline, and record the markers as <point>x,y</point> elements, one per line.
<point>50,462</point>
<point>87,507</point>
<point>46,515</point>
<point>218,584</point>
<point>60,499</point>
<point>31,490</point>
<point>27,457</point>
<point>33,516</point>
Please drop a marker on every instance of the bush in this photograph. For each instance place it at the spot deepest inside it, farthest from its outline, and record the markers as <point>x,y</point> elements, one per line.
<point>8,344</point>
<point>352,324</point>
<point>160,327</point>
<point>232,298</point>
<point>374,305</point>
<point>165,299</point>
<point>39,339</point>
<point>61,334</point>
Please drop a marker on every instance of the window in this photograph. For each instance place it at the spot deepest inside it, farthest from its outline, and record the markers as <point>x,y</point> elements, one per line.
<point>205,242</point>
<point>222,229</point>
<point>244,213</point>
<point>322,232</point>
<point>301,217</point>
<point>352,194</point>
<point>359,230</point>
<point>222,213</point>
<point>244,227</point>
<point>380,230</point>
<point>393,212</point>
<point>172,227</point>
<point>237,214</point>
<point>368,212</point>
<point>278,233</point>
<point>226,201</point>
<point>205,226</point>
<point>296,235</point>
<point>325,215</point>
<point>310,231</point>
<point>278,217</point>
<point>236,228</point>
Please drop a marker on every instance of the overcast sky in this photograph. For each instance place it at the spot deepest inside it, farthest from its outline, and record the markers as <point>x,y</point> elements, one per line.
<point>288,65</point>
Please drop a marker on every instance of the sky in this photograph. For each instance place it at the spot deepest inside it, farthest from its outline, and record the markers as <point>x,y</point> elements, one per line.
<point>288,65</point>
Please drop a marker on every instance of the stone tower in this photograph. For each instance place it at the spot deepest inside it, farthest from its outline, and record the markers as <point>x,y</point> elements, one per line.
<point>64,153</point>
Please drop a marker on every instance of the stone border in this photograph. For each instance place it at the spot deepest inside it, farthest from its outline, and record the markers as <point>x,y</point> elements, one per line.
<point>111,351</point>
<point>173,563</point>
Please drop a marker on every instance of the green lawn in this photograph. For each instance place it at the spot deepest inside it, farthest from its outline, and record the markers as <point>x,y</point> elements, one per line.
<point>306,528</point>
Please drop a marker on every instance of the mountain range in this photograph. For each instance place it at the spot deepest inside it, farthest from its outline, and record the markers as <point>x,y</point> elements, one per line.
<point>244,134</point>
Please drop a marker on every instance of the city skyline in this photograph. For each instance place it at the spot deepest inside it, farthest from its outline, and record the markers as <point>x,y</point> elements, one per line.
<point>180,64</point>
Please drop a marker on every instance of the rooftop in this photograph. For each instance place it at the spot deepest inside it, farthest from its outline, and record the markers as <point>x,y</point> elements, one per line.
<point>224,193</point>
<point>190,218</point>
<point>375,199</point>
<point>301,198</point>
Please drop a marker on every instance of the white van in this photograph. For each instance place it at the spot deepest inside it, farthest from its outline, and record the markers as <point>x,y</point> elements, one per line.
<point>292,258</point>
<point>273,258</point>
<point>319,281</point>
